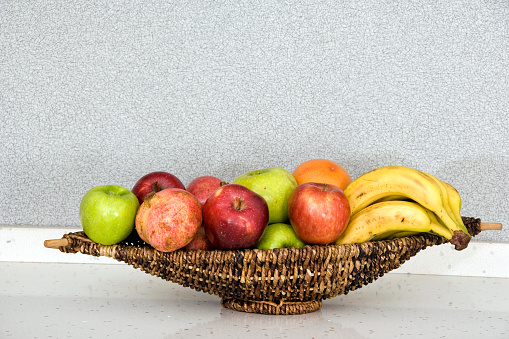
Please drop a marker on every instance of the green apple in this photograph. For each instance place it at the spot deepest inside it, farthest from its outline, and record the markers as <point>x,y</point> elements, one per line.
<point>107,213</point>
<point>279,235</point>
<point>275,185</point>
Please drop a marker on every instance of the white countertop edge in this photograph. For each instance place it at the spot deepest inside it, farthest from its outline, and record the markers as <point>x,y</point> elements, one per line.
<point>480,259</point>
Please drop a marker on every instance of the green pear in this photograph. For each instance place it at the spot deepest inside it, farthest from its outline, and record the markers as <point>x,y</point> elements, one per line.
<point>275,185</point>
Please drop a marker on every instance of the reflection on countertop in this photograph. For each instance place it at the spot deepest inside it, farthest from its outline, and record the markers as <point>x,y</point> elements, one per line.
<point>97,300</point>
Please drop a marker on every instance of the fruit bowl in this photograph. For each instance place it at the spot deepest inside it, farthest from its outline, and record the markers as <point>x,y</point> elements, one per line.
<point>279,281</point>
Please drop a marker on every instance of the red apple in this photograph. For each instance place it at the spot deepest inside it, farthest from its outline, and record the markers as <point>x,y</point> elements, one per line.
<point>319,213</point>
<point>234,217</point>
<point>199,242</point>
<point>202,187</point>
<point>155,182</point>
<point>169,219</point>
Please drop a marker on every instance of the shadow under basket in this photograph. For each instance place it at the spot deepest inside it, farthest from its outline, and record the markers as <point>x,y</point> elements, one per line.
<point>279,281</point>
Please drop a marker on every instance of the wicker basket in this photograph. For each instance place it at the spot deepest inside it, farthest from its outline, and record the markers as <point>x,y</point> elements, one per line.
<point>279,281</point>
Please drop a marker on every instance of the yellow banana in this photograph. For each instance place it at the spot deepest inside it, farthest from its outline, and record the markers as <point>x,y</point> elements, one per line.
<point>389,181</point>
<point>438,228</point>
<point>389,234</point>
<point>403,234</point>
<point>394,197</point>
<point>408,182</point>
<point>454,201</point>
<point>461,237</point>
<point>393,235</point>
<point>380,219</point>
<point>445,195</point>
<point>453,195</point>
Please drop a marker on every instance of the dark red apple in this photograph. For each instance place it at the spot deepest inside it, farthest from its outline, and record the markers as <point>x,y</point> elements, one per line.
<point>155,182</point>
<point>319,213</point>
<point>234,217</point>
<point>202,187</point>
<point>199,242</point>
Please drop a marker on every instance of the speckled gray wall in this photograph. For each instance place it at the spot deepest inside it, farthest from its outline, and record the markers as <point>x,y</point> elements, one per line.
<point>103,92</point>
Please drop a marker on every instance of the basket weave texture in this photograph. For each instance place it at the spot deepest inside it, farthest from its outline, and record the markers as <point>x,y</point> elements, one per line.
<point>278,281</point>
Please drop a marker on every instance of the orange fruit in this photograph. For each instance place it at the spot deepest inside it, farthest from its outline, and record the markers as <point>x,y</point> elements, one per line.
<point>322,171</point>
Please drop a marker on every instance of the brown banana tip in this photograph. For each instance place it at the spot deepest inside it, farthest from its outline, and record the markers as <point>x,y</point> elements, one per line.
<point>460,240</point>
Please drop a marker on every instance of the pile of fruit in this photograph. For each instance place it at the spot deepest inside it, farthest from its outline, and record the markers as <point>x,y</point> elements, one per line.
<point>316,204</point>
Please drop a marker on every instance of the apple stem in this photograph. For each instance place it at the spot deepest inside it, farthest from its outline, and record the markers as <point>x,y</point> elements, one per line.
<point>155,187</point>
<point>238,204</point>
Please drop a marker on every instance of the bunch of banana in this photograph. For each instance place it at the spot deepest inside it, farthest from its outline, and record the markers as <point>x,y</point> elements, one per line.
<point>396,201</point>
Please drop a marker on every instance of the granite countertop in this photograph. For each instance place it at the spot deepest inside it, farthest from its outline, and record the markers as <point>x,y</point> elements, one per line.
<point>80,300</point>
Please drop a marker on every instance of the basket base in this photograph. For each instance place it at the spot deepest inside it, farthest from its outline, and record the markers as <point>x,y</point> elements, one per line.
<point>266,307</point>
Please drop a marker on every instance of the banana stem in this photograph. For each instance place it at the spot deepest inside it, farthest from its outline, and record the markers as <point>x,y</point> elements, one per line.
<point>491,226</point>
